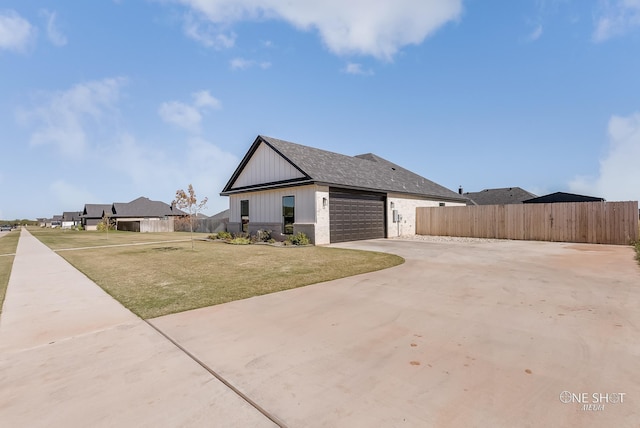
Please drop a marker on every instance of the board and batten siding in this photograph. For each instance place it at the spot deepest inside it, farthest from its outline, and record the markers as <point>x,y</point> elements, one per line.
<point>266,166</point>
<point>265,206</point>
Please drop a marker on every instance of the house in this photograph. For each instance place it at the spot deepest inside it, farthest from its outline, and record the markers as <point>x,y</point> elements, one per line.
<point>70,219</point>
<point>288,188</point>
<point>139,215</point>
<point>499,196</point>
<point>218,222</point>
<point>561,197</point>
<point>54,221</point>
<point>92,215</point>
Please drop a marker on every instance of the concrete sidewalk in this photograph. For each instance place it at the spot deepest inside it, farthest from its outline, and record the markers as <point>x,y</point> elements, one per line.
<point>70,355</point>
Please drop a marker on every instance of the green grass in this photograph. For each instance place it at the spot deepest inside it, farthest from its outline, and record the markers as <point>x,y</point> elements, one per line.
<point>159,279</point>
<point>8,245</point>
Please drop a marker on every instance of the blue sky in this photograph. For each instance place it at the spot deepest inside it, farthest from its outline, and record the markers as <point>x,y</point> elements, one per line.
<point>106,101</point>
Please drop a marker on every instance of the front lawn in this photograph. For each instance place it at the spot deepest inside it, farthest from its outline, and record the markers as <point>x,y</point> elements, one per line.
<point>159,279</point>
<point>68,238</point>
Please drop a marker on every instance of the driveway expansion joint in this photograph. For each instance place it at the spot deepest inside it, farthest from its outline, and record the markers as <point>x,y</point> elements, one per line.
<point>213,373</point>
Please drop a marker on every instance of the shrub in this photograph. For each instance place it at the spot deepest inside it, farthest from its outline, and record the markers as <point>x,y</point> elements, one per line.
<point>240,240</point>
<point>299,239</point>
<point>102,227</point>
<point>262,236</point>
<point>223,235</point>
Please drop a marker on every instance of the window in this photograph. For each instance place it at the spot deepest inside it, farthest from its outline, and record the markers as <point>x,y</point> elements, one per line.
<point>244,215</point>
<point>441,204</point>
<point>288,214</point>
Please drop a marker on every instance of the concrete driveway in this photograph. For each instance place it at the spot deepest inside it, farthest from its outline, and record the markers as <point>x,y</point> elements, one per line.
<point>495,334</point>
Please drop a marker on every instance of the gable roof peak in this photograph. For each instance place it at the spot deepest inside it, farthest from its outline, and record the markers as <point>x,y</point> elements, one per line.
<point>366,172</point>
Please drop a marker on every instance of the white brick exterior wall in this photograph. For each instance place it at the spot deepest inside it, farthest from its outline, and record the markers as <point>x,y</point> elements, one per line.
<point>322,216</point>
<point>406,207</point>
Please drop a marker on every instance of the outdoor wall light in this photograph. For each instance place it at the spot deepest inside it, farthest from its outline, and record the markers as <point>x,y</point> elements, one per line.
<point>324,202</point>
<point>392,205</point>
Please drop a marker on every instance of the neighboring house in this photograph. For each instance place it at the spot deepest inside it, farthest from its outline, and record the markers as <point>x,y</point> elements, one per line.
<point>218,222</point>
<point>562,197</point>
<point>131,215</point>
<point>56,221</point>
<point>500,196</point>
<point>70,219</point>
<point>288,188</point>
<point>92,215</point>
<point>42,222</point>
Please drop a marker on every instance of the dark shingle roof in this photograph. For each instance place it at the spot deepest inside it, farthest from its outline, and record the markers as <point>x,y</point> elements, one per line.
<point>144,207</point>
<point>366,172</point>
<point>562,197</point>
<point>221,215</point>
<point>95,210</point>
<point>501,196</point>
<point>71,215</point>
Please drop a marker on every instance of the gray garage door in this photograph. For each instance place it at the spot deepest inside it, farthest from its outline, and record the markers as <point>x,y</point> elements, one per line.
<point>355,215</point>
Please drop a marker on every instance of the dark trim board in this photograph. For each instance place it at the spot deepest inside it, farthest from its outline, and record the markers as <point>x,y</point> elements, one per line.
<point>268,186</point>
<point>356,215</point>
<point>228,188</point>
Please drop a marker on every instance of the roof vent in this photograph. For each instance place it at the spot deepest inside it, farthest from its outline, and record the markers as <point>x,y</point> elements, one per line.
<point>393,168</point>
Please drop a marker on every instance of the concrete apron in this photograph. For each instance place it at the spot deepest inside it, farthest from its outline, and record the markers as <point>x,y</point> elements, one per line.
<point>70,355</point>
<point>463,334</point>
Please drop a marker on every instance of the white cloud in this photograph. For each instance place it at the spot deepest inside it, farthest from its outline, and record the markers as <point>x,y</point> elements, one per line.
<point>181,115</point>
<point>16,33</point>
<point>62,118</point>
<point>377,28</point>
<point>240,63</point>
<point>616,18</point>
<point>354,68</point>
<point>204,99</point>
<point>55,35</point>
<point>619,175</point>
<point>535,34</point>
<point>207,34</point>
<point>188,116</point>
<point>243,64</point>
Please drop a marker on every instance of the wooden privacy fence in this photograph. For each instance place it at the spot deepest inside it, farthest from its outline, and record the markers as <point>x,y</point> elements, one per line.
<point>202,225</point>
<point>590,222</point>
<point>146,225</point>
<point>153,225</point>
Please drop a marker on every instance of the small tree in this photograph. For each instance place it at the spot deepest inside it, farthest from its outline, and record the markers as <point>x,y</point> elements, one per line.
<point>188,200</point>
<point>105,223</point>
